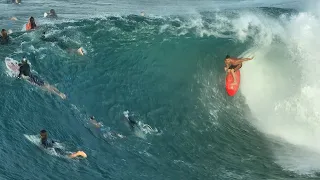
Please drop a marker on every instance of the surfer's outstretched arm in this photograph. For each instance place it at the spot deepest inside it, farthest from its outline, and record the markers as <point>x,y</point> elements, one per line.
<point>246,59</point>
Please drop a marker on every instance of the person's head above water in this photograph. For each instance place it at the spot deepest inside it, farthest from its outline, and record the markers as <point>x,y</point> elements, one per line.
<point>227,57</point>
<point>92,117</point>
<point>52,11</point>
<point>4,33</point>
<point>31,19</point>
<point>32,23</point>
<point>43,134</point>
<point>24,60</point>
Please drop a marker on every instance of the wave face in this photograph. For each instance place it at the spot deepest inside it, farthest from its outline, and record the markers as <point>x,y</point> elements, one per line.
<point>167,69</point>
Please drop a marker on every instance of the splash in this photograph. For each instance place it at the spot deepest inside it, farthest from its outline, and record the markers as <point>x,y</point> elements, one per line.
<point>281,88</point>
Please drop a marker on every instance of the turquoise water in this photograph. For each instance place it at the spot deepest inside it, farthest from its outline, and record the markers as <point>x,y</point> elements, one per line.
<point>167,69</point>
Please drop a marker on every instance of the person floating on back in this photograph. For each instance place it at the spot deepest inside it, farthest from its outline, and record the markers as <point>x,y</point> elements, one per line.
<point>31,24</point>
<point>4,39</point>
<point>46,143</point>
<point>233,65</point>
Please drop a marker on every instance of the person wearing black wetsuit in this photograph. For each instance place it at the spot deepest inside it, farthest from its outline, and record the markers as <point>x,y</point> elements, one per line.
<point>132,122</point>
<point>4,39</point>
<point>25,70</point>
<point>46,143</point>
<point>44,139</point>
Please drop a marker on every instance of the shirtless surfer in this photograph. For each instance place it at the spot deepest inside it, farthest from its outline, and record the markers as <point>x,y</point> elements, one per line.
<point>233,65</point>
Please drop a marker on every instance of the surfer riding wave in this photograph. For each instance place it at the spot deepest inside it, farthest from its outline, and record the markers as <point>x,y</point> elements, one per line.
<point>233,65</point>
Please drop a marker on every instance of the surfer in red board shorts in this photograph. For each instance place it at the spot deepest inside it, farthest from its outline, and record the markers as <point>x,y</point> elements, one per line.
<point>233,65</point>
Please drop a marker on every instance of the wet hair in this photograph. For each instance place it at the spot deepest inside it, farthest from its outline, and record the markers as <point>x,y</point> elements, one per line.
<point>52,11</point>
<point>24,60</point>
<point>33,24</point>
<point>92,117</point>
<point>227,57</point>
<point>4,33</point>
<point>43,131</point>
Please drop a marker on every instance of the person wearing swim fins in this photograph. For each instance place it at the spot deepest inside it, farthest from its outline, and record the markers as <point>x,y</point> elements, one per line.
<point>31,24</point>
<point>234,64</point>
<point>4,39</point>
<point>46,143</point>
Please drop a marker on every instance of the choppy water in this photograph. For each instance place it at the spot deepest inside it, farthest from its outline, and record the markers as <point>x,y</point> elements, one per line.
<point>167,69</point>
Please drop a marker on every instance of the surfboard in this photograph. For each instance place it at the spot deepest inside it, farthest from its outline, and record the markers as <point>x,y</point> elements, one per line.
<point>232,89</point>
<point>12,66</point>
<point>34,139</point>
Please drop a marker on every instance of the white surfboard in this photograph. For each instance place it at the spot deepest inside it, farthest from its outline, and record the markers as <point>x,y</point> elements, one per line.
<point>12,66</point>
<point>35,139</point>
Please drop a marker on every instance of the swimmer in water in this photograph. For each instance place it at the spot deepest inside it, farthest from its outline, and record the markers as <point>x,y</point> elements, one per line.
<point>15,1</point>
<point>24,72</point>
<point>95,122</point>
<point>63,45</point>
<point>4,39</point>
<point>46,143</point>
<point>106,133</point>
<point>51,14</point>
<point>13,19</point>
<point>79,51</point>
<point>130,120</point>
<point>31,24</point>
